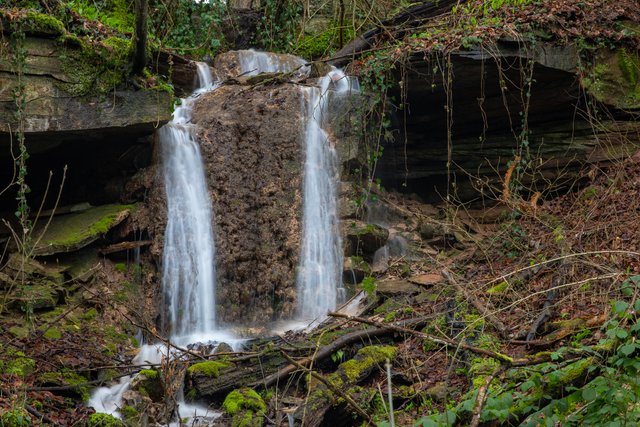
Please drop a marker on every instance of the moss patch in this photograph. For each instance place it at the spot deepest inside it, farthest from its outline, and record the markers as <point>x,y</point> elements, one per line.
<point>209,369</point>
<point>40,23</point>
<point>66,377</point>
<point>70,232</point>
<point>615,79</point>
<point>246,407</point>
<point>104,420</point>
<point>366,359</point>
<point>16,363</point>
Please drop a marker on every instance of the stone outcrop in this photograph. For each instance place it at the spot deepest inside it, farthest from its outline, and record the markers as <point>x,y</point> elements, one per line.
<point>68,91</point>
<point>489,102</point>
<point>252,150</point>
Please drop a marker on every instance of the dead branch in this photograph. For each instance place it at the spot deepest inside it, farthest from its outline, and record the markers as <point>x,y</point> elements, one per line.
<point>483,394</point>
<point>500,357</point>
<point>331,387</point>
<point>483,310</point>
<point>330,349</point>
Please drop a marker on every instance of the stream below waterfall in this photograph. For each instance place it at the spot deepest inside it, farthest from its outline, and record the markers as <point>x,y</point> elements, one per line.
<point>188,261</point>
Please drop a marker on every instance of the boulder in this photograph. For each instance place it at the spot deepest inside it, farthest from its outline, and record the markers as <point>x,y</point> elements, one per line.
<point>364,239</point>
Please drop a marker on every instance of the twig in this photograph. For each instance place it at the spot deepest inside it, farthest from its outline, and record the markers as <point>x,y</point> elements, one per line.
<point>331,387</point>
<point>502,358</point>
<point>482,309</point>
<point>483,394</point>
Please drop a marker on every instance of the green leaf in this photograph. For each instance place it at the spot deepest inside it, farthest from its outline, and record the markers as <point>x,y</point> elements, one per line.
<point>620,307</point>
<point>589,394</point>
<point>527,385</point>
<point>628,349</point>
<point>621,333</point>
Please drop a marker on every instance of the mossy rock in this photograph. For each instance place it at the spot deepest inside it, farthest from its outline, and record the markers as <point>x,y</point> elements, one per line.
<point>246,408</point>
<point>36,295</point>
<point>615,79</point>
<point>365,239</point>
<point>209,369</point>
<point>66,378</point>
<point>366,359</point>
<point>67,233</point>
<point>149,383</point>
<point>15,362</point>
<point>34,23</point>
<point>104,420</point>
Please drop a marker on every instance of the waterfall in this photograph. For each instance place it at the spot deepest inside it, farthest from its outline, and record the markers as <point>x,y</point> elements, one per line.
<point>188,278</point>
<point>253,62</point>
<point>319,279</point>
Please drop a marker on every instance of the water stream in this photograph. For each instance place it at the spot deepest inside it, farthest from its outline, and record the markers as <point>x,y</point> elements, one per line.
<point>188,279</point>
<point>319,279</point>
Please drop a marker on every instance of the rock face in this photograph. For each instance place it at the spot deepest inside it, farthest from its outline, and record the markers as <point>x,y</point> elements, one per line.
<point>252,150</point>
<point>60,94</point>
<point>77,115</point>
<point>489,102</point>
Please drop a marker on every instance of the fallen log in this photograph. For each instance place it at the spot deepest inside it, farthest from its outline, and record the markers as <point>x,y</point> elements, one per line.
<point>394,27</point>
<point>123,246</point>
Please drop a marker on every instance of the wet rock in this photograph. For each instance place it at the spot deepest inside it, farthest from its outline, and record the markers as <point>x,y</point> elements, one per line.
<point>234,63</point>
<point>355,270</point>
<point>428,279</point>
<point>252,152</point>
<point>380,260</point>
<point>223,347</point>
<point>364,239</point>
<point>67,233</point>
<point>393,287</point>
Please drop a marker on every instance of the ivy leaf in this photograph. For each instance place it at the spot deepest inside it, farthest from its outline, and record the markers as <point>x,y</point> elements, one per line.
<point>589,394</point>
<point>526,385</point>
<point>619,307</point>
<point>628,349</point>
<point>621,333</point>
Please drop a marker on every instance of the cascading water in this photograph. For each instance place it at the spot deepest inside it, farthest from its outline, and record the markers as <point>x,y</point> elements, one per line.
<point>254,62</point>
<point>188,278</point>
<point>320,273</point>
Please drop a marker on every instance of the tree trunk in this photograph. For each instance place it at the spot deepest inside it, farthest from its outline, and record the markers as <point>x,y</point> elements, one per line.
<point>139,53</point>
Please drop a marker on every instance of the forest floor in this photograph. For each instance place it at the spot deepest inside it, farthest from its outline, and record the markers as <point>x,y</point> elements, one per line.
<point>506,300</point>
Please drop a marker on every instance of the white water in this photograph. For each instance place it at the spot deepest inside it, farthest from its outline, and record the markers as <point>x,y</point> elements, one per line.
<point>320,274</point>
<point>253,62</point>
<point>188,279</point>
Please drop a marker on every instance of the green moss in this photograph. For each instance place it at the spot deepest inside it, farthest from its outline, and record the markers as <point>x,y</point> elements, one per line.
<point>499,288</point>
<point>318,45</point>
<point>74,230</point>
<point>121,267</point>
<point>19,331</point>
<point>41,23</point>
<point>243,399</point>
<point>66,377</point>
<point>191,395</point>
<point>104,420</point>
<point>130,414</point>
<point>90,314</point>
<point>150,373</point>
<point>209,369</point>
<point>366,359</point>
<point>630,66</point>
<point>16,417</point>
<point>16,363</point>
<point>52,334</point>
